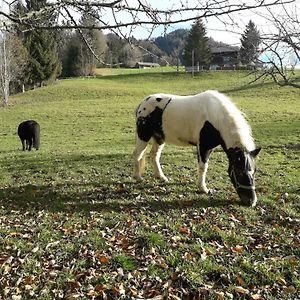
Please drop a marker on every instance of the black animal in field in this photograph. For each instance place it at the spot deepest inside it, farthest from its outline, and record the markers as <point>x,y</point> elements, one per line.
<point>29,133</point>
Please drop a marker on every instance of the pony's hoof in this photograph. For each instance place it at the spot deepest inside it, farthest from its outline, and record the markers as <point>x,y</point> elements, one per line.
<point>249,203</point>
<point>207,191</point>
<point>137,178</point>
<point>203,190</point>
<point>211,191</point>
<point>162,178</point>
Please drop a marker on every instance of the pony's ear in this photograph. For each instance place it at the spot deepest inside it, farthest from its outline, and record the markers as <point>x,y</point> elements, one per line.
<point>255,152</point>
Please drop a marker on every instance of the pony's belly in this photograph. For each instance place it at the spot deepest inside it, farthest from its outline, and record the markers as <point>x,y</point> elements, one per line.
<point>179,142</point>
<point>181,138</point>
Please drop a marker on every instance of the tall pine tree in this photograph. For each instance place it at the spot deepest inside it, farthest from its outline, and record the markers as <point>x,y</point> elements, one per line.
<point>196,46</point>
<point>250,42</point>
<point>43,60</point>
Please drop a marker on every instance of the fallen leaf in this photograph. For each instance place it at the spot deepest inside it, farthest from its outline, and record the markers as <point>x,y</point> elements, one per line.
<point>5,258</point>
<point>119,289</point>
<point>92,294</point>
<point>102,259</point>
<point>257,297</point>
<point>74,284</point>
<point>240,280</point>
<point>241,290</point>
<point>289,289</point>
<point>208,251</point>
<point>35,249</point>
<point>219,295</point>
<point>184,230</point>
<point>15,234</point>
<point>29,280</point>
<point>237,249</point>
<point>188,255</point>
<point>281,281</point>
<point>100,287</point>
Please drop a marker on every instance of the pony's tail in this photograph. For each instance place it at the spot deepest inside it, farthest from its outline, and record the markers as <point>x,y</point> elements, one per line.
<point>36,136</point>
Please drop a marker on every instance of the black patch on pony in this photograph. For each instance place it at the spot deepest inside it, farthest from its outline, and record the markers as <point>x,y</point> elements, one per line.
<point>151,125</point>
<point>29,133</point>
<point>209,138</point>
<point>158,99</point>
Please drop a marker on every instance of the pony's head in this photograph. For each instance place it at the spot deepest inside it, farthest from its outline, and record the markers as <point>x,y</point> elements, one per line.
<point>241,172</point>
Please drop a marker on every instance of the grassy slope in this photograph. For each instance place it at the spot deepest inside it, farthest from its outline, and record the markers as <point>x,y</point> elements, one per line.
<point>89,229</point>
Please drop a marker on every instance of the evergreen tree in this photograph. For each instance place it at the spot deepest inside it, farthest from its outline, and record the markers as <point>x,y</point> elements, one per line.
<point>249,44</point>
<point>197,43</point>
<point>115,49</point>
<point>43,61</point>
<point>43,57</point>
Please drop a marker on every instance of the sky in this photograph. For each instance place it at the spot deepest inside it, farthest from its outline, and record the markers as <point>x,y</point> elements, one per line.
<point>216,28</point>
<point>224,29</point>
<point>230,29</point>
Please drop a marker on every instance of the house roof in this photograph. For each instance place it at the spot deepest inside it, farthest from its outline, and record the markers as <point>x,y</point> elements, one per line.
<point>219,47</point>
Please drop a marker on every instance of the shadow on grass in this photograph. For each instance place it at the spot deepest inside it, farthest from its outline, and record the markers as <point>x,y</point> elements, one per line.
<point>104,197</point>
<point>97,182</point>
<point>248,86</point>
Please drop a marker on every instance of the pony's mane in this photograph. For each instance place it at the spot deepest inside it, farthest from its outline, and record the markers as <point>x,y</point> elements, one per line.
<point>232,124</point>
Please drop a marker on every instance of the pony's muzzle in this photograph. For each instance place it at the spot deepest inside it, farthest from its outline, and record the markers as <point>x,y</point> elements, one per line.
<point>248,197</point>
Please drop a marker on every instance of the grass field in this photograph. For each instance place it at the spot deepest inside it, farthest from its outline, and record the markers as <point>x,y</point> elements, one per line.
<point>74,225</point>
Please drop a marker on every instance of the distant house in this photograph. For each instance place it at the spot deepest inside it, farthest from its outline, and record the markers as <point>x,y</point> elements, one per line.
<point>223,57</point>
<point>146,65</point>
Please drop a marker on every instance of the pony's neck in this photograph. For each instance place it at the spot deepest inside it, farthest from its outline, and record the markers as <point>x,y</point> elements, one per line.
<point>237,138</point>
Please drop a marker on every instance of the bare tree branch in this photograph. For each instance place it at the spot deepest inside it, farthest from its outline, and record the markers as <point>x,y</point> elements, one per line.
<point>281,48</point>
<point>139,12</point>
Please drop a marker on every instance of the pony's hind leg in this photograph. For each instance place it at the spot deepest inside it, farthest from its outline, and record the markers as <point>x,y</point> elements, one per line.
<point>23,145</point>
<point>139,158</point>
<point>155,157</point>
<point>29,141</point>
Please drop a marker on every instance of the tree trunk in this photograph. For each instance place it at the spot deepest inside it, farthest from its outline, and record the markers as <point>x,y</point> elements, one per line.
<point>4,69</point>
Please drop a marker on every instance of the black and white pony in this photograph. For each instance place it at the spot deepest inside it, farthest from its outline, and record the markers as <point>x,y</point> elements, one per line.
<point>29,133</point>
<point>205,120</point>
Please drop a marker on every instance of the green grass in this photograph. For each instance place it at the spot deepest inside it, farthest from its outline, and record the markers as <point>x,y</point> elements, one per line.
<point>73,224</point>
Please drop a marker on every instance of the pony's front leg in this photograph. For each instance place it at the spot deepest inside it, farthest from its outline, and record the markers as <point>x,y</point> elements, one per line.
<point>202,170</point>
<point>155,157</point>
<point>139,158</point>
